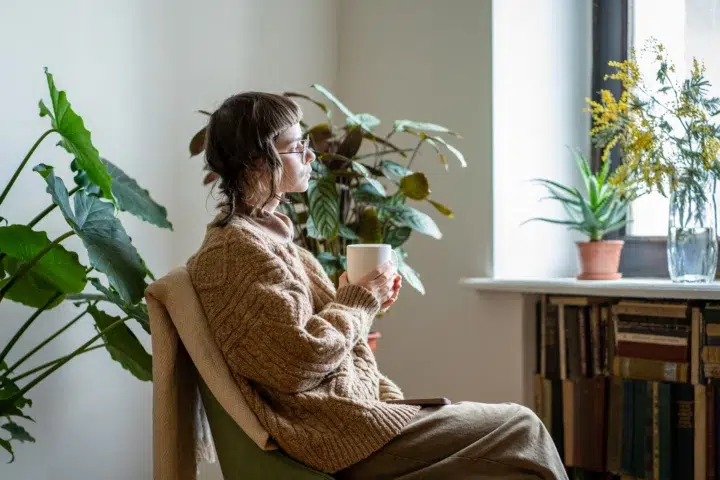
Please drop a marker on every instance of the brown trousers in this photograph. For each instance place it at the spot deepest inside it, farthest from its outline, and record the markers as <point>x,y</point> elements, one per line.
<point>466,441</point>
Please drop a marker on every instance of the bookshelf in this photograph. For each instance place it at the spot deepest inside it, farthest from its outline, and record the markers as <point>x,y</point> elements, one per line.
<point>626,374</point>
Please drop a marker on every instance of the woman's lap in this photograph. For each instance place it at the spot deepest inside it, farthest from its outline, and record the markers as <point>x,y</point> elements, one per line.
<point>466,440</point>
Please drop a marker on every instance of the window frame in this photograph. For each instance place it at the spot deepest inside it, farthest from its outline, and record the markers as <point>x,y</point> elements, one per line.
<point>642,256</point>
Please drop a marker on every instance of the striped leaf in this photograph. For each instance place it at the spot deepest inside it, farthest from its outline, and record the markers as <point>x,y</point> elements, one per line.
<point>324,206</point>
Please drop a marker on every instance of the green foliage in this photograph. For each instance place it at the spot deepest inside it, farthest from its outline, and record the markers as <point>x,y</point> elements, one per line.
<point>600,211</point>
<point>42,273</point>
<point>361,183</point>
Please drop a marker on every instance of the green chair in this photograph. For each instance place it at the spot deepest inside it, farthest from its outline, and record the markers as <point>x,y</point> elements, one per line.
<point>239,457</point>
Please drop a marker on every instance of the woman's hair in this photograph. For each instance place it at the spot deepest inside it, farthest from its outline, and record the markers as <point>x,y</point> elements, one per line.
<point>240,148</point>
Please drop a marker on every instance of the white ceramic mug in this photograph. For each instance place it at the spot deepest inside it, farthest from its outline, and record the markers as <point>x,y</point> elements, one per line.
<point>364,258</point>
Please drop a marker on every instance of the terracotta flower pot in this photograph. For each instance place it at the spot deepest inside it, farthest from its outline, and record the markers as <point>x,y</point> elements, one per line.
<point>600,260</point>
<point>372,340</point>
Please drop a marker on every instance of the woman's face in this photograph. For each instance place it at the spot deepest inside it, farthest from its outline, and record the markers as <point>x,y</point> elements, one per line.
<point>296,157</point>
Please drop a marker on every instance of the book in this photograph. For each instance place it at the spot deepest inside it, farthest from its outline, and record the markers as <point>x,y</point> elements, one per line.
<point>653,370</point>
<point>683,441</point>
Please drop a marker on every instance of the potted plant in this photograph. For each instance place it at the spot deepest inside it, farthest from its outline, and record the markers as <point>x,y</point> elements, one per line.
<point>669,139</point>
<point>41,273</point>
<point>363,185</point>
<point>598,212</point>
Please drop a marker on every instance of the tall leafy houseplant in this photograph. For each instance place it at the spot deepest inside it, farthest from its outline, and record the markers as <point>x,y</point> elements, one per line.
<point>362,195</point>
<point>41,273</point>
<point>601,210</point>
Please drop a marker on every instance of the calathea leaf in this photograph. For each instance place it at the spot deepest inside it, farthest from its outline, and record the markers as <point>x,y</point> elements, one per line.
<point>324,206</point>
<point>407,272</point>
<point>415,219</point>
<point>109,247</point>
<point>394,169</point>
<point>403,125</point>
<point>76,138</point>
<point>396,236</point>
<point>375,184</point>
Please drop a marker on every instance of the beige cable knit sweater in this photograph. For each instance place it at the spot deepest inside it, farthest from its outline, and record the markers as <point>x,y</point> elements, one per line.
<point>297,348</point>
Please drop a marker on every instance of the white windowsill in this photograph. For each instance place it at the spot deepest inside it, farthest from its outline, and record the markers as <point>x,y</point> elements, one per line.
<point>630,287</point>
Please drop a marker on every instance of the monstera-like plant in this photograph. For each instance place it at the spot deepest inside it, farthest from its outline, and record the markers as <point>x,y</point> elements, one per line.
<point>363,184</point>
<point>41,273</point>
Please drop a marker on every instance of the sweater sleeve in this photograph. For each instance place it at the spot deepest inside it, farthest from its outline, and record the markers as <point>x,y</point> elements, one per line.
<point>289,348</point>
<point>389,390</point>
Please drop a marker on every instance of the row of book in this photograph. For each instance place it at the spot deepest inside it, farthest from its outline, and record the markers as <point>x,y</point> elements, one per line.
<point>629,388</point>
<point>580,337</point>
<point>632,428</point>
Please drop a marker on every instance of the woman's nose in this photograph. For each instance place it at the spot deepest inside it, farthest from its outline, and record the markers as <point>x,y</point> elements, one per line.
<point>311,155</point>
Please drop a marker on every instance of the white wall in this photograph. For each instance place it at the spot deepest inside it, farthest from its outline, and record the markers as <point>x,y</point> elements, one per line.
<point>136,71</point>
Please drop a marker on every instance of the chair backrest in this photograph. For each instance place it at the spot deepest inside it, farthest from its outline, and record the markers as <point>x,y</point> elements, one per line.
<point>239,457</point>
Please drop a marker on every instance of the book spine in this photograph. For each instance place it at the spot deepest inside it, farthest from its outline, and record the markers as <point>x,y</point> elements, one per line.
<point>711,370</point>
<point>572,342</point>
<point>638,337</point>
<point>710,354</point>
<point>700,425</point>
<point>556,431</point>
<point>695,347</point>
<point>640,422</point>
<point>562,341</point>
<point>653,472</point>
<point>615,425</point>
<point>666,428</point>
<point>684,439</point>
<point>596,344</point>
<point>609,341</point>
<point>583,339</point>
<point>653,351</point>
<point>711,469</point>
<point>653,370</point>
<point>552,344</point>
<point>543,336</point>
<point>569,409</point>
<point>626,459</point>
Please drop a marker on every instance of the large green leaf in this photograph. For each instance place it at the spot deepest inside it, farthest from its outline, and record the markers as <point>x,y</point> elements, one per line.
<point>415,186</point>
<point>123,345</point>
<point>366,193</point>
<point>347,233</point>
<point>130,196</point>
<point>59,270</point>
<point>5,444</point>
<point>109,247</point>
<point>407,272</point>
<point>137,311</point>
<point>312,230</point>
<point>320,105</point>
<point>396,236</point>
<point>324,206</point>
<point>415,219</point>
<point>30,289</point>
<point>76,138</point>
<point>402,125</point>
<point>375,184</point>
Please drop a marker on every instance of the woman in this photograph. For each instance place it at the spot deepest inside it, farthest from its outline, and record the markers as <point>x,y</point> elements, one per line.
<point>298,348</point>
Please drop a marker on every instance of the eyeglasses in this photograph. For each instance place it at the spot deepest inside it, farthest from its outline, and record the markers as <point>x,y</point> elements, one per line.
<point>305,148</point>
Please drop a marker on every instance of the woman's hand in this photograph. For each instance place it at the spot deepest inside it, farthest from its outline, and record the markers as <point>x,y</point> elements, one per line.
<point>383,282</point>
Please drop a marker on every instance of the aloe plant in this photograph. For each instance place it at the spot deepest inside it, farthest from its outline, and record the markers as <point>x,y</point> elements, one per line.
<point>600,211</point>
<point>361,195</point>
<point>41,273</point>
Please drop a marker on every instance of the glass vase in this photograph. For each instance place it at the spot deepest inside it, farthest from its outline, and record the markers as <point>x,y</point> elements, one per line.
<point>692,233</point>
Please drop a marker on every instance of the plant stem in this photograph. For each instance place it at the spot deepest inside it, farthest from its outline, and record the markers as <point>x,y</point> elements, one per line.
<point>29,265</point>
<point>64,360</point>
<point>22,164</point>
<point>49,209</point>
<point>45,342</point>
<point>52,362</point>
<point>383,152</point>
<point>87,297</point>
<point>25,326</point>
<point>415,152</point>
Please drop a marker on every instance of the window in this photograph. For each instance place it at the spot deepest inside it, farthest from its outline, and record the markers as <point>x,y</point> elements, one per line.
<point>687,28</point>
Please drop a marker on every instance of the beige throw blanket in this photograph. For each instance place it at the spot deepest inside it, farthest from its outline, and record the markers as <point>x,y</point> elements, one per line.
<point>182,347</point>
